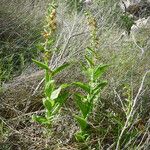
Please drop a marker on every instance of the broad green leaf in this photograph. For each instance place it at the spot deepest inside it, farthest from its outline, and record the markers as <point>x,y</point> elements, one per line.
<point>47,104</point>
<point>82,122</point>
<point>40,64</point>
<point>39,119</point>
<point>59,69</point>
<point>84,106</point>
<point>90,62</point>
<point>55,93</point>
<point>83,86</point>
<point>49,88</point>
<point>62,98</point>
<point>99,71</point>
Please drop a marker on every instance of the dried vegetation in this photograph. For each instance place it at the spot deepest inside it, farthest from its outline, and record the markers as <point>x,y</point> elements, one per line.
<point>121,115</point>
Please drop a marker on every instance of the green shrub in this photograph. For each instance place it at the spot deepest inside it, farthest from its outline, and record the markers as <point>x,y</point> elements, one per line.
<point>93,88</point>
<point>54,98</point>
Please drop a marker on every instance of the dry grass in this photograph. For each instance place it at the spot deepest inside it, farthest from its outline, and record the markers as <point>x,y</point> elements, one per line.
<point>128,66</point>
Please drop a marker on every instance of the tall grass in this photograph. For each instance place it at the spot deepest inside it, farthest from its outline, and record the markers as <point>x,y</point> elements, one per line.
<point>20,32</point>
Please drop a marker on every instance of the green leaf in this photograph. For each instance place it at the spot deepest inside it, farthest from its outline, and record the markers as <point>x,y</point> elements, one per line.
<point>39,119</point>
<point>91,50</point>
<point>40,47</point>
<point>47,76</point>
<point>62,98</point>
<point>48,104</point>
<point>90,62</point>
<point>55,93</point>
<point>83,86</point>
<point>49,87</point>
<point>50,42</point>
<point>84,106</point>
<point>56,108</point>
<point>59,69</point>
<point>49,116</point>
<point>84,68</point>
<point>101,85</point>
<point>89,72</point>
<point>40,64</point>
<point>96,91</point>
<point>99,71</point>
<point>65,85</point>
<point>82,122</point>
<point>81,137</point>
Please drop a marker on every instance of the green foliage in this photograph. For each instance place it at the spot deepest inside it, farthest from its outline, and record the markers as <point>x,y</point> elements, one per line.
<point>14,60</point>
<point>81,137</point>
<point>41,65</point>
<point>59,69</point>
<point>82,122</point>
<point>92,89</point>
<point>83,86</point>
<point>18,39</point>
<point>54,97</point>
<point>99,71</point>
<point>110,114</point>
<point>83,105</point>
<point>126,22</point>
